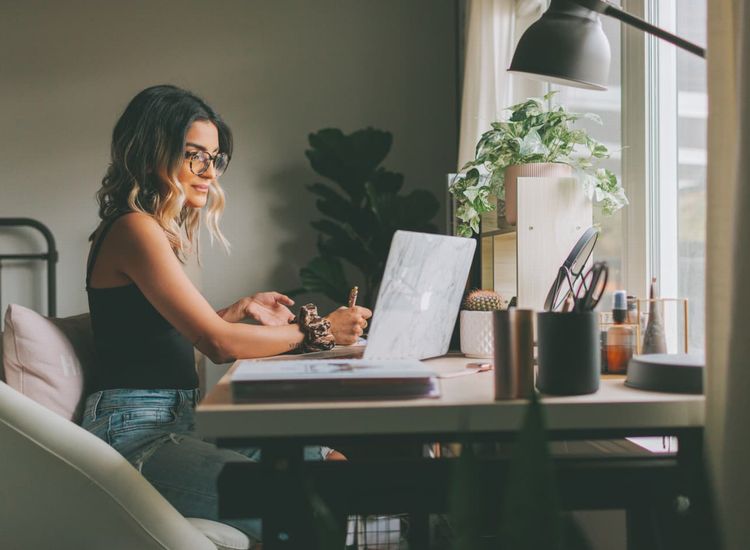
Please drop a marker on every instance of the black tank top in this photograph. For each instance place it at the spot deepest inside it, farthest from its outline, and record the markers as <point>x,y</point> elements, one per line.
<point>136,347</point>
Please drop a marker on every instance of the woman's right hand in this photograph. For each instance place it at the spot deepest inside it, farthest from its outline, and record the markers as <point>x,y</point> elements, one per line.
<point>267,308</point>
<point>348,323</point>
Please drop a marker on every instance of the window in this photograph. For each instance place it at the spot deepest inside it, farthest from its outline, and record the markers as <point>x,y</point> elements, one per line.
<point>656,111</point>
<point>654,115</point>
<point>677,157</point>
<point>692,115</point>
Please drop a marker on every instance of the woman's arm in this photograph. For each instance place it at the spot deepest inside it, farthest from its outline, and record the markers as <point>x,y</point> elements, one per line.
<point>146,258</point>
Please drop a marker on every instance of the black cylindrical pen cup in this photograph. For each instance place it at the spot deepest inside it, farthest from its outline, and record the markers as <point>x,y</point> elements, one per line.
<point>568,353</point>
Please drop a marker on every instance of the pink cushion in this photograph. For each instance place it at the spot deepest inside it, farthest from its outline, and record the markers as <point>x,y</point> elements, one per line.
<point>45,359</point>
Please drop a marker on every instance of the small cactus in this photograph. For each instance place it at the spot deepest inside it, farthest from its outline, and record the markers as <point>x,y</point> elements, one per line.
<point>483,300</point>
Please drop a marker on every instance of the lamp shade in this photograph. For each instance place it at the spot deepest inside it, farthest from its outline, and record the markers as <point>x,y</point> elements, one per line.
<point>567,46</point>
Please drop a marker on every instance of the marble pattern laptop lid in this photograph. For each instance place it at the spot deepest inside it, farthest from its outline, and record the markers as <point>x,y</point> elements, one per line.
<point>420,295</point>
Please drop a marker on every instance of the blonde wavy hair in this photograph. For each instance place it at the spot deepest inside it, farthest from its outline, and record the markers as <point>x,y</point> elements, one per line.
<point>148,148</point>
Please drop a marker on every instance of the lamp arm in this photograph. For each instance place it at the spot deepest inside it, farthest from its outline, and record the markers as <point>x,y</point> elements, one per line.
<point>604,7</point>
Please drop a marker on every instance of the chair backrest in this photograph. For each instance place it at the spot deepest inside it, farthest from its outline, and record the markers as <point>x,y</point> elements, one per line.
<point>62,487</point>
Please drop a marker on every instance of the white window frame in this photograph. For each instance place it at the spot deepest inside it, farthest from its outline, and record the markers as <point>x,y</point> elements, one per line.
<point>662,62</point>
<point>649,134</point>
<point>635,156</point>
<point>649,125</point>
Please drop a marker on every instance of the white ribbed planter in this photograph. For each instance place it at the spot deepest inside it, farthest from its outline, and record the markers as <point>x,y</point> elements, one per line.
<point>532,170</point>
<point>476,334</point>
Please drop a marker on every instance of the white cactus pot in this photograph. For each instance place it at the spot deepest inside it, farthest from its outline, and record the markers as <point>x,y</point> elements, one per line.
<point>476,334</point>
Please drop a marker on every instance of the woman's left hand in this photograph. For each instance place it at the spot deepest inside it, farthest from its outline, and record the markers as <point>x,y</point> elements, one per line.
<point>268,308</point>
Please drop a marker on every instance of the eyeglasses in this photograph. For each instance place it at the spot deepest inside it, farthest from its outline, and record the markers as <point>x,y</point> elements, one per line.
<point>201,160</point>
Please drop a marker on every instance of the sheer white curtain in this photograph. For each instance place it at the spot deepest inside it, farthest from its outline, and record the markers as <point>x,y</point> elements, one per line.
<point>493,28</point>
<point>728,266</point>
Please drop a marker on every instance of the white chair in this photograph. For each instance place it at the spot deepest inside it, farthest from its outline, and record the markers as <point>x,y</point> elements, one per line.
<point>62,487</point>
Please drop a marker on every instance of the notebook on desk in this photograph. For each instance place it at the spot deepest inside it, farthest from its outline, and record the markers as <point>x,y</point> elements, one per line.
<point>332,379</point>
<point>413,319</point>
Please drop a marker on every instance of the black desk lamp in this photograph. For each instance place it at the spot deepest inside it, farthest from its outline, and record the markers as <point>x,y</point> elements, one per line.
<point>567,44</point>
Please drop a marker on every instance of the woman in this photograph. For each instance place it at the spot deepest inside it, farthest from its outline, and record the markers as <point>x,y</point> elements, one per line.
<point>168,150</point>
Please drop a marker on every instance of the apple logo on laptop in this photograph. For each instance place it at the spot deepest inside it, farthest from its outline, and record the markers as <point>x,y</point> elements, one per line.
<point>424,303</point>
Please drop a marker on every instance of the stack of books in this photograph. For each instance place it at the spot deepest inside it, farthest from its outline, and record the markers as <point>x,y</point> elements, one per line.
<point>306,380</point>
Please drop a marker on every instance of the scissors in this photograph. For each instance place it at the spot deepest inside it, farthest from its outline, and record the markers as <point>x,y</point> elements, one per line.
<point>591,288</point>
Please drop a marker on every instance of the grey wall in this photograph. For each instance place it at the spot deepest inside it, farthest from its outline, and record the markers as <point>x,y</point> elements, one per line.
<point>275,69</point>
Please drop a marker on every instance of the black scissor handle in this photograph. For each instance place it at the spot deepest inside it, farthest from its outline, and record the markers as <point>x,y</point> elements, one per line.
<point>599,274</point>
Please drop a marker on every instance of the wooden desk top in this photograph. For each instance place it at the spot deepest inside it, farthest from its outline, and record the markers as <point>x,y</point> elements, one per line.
<point>466,405</point>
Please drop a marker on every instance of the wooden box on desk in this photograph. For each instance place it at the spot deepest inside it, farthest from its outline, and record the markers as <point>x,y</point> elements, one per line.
<point>523,260</point>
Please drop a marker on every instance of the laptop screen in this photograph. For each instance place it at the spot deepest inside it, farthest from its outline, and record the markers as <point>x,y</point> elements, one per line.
<point>420,295</point>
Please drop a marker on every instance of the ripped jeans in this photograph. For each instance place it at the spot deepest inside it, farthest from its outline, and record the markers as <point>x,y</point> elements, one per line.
<point>155,431</point>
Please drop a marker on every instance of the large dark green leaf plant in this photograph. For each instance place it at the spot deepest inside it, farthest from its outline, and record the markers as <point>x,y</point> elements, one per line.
<point>362,209</point>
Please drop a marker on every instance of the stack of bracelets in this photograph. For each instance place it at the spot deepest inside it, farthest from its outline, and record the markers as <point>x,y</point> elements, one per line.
<point>317,330</point>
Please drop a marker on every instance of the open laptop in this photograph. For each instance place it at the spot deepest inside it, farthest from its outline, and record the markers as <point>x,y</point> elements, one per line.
<point>418,301</point>
<point>419,297</point>
<point>416,309</point>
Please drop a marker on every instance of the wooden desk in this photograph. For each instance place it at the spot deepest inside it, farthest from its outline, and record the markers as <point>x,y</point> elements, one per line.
<point>465,411</point>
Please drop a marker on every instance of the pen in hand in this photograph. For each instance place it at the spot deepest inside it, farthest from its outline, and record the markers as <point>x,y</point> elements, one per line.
<point>353,296</point>
<point>353,302</point>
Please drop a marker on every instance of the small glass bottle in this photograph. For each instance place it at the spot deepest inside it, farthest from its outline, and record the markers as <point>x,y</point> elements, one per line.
<point>603,349</point>
<point>605,319</point>
<point>632,310</point>
<point>620,337</point>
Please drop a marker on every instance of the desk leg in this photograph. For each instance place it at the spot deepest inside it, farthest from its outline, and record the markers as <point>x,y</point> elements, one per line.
<point>686,521</point>
<point>287,523</point>
<point>696,523</point>
<point>640,528</point>
<point>419,530</point>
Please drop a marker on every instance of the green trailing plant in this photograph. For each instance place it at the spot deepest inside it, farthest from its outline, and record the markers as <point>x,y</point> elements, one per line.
<point>362,208</point>
<point>483,300</point>
<point>536,131</point>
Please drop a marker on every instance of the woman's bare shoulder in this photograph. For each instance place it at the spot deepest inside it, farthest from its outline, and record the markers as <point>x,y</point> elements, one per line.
<point>135,221</point>
<point>133,239</point>
<point>122,245</point>
<point>137,226</point>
